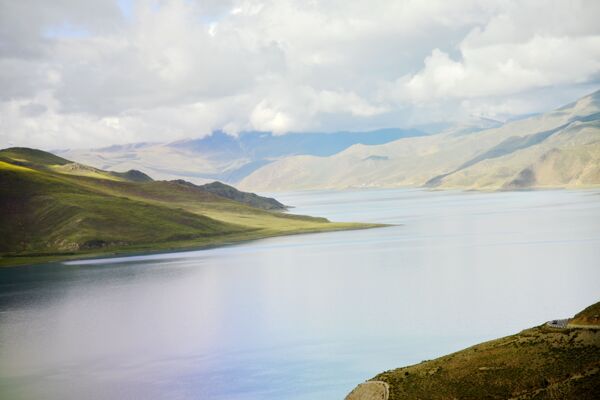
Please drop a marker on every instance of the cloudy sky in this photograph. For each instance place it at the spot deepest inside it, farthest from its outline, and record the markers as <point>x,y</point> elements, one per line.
<point>97,72</point>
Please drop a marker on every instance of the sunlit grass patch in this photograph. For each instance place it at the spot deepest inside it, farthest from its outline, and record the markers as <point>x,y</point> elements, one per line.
<point>13,167</point>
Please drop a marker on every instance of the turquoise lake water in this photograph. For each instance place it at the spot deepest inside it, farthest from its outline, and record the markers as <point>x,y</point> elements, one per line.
<point>305,316</point>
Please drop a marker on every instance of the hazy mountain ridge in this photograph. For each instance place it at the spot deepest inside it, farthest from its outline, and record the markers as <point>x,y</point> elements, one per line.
<point>557,149</point>
<point>223,157</point>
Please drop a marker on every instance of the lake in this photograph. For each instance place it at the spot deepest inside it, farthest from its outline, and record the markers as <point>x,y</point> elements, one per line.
<point>305,316</point>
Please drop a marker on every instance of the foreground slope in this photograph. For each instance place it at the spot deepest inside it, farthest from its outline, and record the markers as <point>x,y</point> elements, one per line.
<point>537,363</point>
<point>51,208</point>
<point>557,149</point>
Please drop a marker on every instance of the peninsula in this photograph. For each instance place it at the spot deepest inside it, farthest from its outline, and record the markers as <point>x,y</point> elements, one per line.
<point>54,209</point>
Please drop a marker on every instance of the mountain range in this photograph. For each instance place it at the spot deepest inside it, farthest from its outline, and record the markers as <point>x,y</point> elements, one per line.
<point>560,148</point>
<point>224,157</point>
<point>557,149</point>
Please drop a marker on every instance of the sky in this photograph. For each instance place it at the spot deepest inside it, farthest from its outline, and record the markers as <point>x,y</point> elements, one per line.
<point>82,74</point>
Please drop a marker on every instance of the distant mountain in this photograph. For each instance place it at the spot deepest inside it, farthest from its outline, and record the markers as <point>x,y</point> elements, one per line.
<point>223,157</point>
<point>52,208</point>
<point>231,193</point>
<point>544,362</point>
<point>557,149</point>
<point>265,145</point>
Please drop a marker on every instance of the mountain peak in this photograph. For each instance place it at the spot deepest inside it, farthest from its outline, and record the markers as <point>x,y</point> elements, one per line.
<point>32,156</point>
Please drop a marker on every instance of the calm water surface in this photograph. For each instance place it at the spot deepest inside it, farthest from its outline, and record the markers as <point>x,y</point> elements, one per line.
<point>307,316</point>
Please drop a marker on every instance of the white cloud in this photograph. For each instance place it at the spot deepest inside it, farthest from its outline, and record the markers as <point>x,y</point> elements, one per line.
<point>500,69</point>
<point>80,75</point>
<point>265,117</point>
<point>527,45</point>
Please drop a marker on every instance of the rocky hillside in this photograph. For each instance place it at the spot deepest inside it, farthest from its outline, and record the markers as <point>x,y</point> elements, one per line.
<point>538,363</point>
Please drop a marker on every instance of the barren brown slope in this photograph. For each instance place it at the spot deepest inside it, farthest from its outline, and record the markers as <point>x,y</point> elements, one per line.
<point>589,317</point>
<point>537,363</point>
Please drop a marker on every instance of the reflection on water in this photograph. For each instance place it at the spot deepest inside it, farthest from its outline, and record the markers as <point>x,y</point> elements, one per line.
<point>301,317</point>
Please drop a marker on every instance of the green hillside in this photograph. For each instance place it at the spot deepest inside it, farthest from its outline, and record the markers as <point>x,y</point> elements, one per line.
<point>27,156</point>
<point>51,208</point>
<point>538,363</point>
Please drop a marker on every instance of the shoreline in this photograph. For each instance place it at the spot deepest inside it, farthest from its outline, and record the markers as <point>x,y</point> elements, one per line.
<point>462,189</point>
<point>15,261</point>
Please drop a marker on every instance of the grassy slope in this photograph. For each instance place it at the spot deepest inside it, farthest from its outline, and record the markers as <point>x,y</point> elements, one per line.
<point>537,363</point>
<point>47,215</point>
